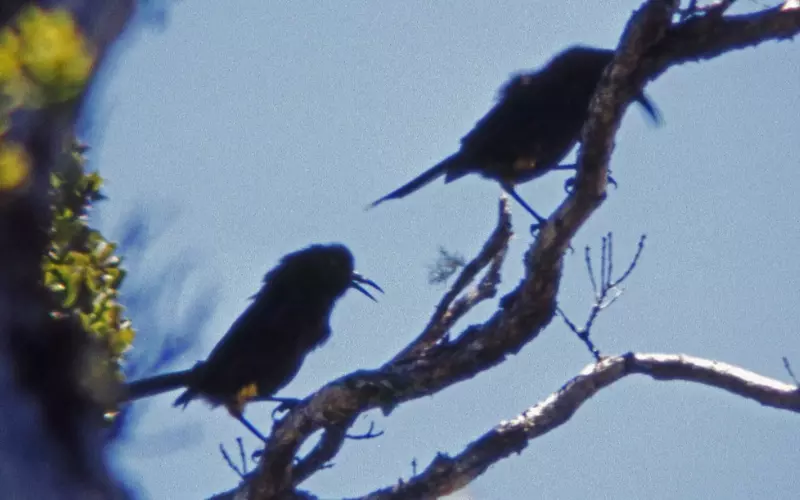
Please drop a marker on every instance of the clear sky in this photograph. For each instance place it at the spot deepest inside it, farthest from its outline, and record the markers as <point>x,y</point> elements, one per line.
<point>251,129</point>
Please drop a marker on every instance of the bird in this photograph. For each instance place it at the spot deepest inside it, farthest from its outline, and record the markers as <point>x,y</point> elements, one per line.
<point>535,123</point>
<point>265,347</point>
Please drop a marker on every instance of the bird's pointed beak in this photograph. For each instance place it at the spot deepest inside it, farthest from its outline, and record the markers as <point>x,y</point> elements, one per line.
<point>358,280</point>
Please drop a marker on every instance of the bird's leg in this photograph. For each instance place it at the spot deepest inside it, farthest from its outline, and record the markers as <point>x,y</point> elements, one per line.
<point>509,188</point>
<point>250,427</point>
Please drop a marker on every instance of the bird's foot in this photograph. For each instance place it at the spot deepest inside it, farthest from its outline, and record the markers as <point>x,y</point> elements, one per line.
<point>286,404</point>
<point>538,225</point>
<point>569,184</point>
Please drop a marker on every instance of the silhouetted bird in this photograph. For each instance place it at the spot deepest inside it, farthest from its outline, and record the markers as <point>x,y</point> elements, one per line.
<point>265,347</point>
<point>536,122</point>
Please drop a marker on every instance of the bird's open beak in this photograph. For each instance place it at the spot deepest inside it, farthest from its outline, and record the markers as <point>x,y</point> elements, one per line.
<point>356,282</point>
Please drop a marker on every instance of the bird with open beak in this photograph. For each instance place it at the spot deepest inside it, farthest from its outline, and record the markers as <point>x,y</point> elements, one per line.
<point>265,347</point>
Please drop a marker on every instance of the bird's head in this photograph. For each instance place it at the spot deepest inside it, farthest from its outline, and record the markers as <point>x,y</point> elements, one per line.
<point>580,61</point>
<point>324,271</point>
<point>578,67</point>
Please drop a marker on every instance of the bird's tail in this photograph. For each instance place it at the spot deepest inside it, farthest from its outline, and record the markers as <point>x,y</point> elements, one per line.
<point>185,398</point>
<point>156,385</point>
<point>650,108</point>
<point>424,178</point>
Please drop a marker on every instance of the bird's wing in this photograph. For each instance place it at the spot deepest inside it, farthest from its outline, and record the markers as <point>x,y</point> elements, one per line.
<point>259,322</point>
<point>265,345</point>
<point>514,117</point>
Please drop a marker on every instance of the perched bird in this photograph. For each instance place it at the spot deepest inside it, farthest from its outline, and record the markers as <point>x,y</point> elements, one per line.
<point>265,347</point>
<point>535,123</point>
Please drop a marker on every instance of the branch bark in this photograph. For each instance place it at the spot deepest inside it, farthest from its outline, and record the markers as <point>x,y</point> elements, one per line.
<point>447,474</point>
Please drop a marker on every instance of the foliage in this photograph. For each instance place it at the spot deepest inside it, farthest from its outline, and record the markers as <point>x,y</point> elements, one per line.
<point>44,59</point>
<point>81,267</point>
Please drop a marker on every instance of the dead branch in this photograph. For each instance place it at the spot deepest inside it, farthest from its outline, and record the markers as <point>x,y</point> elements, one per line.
<point>606,294</point>
<point>447,474</point>
<point>240,471</point>
<point>448,313</point>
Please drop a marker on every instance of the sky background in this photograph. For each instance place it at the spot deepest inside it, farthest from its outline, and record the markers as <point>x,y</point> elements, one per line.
<point>248,130</point>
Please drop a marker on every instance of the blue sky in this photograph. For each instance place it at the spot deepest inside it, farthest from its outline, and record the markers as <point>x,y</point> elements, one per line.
<point>252,130</point>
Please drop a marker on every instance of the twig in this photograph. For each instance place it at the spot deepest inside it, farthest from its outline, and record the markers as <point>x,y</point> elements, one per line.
<point>242,456</point>
<point>447,313</point>
<point>588,259</point>
<point>633,263</point>
<point>367,435</point>
<point>788,367</point>
<point>609,289</point>
<point>328,446</point>
<point>230,463</point>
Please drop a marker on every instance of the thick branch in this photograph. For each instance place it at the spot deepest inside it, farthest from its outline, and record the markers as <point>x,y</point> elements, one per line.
<point>447,474</point>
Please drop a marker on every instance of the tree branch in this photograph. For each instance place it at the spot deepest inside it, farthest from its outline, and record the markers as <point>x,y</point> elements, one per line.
<point>447,474</point>
<point>648,47</point>
<point>448,313</point>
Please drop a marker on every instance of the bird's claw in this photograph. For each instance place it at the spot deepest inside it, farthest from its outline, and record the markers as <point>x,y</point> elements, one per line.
<point>286,405</point>
<point>569,184</point>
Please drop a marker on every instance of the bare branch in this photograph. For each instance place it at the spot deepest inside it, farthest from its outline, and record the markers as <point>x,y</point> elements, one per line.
<point>633,263</point>
<point>609,289</point>
<point>588,259</point>
<point>447,474</point>
<point>447,313</point>
<point>239,472</point>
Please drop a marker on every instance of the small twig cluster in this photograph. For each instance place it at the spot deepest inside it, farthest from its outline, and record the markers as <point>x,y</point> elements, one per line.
<point>606,293</point>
